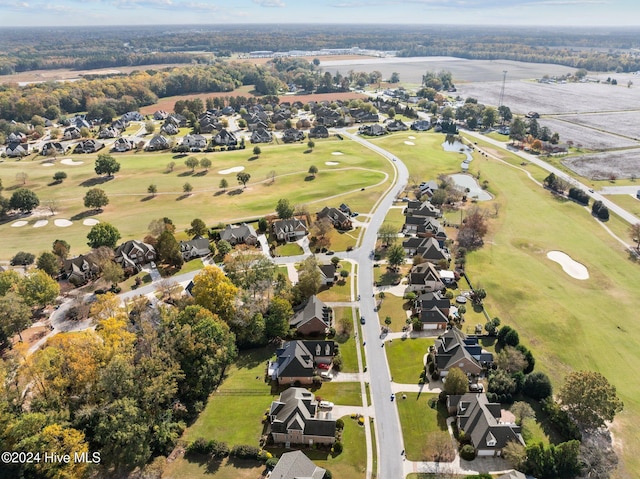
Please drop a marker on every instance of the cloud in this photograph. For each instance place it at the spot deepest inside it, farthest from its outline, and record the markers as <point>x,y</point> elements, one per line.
<point>269,3</point>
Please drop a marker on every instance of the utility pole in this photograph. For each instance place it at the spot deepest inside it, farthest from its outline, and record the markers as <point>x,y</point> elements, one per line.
<point>504,80</point>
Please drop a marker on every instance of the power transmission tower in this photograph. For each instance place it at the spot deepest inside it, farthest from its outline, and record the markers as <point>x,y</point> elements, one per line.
<point>504,80</point>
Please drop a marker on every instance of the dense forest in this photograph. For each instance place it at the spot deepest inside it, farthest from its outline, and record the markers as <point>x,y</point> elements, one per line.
<point>26,49</point>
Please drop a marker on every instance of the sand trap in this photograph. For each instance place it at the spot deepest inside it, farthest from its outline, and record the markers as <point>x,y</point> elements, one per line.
<point>46,163</point>
<point>410,143</point>
<point>235,169</point>
<point>411,137</point>
<point>18,224</point>
<point>40,223</point>
<point>331,163</point>
<point>337,153</point>
<point>570,266</point>
<point>70,162</point>
<point>90,222</point>
<point>62,223</point>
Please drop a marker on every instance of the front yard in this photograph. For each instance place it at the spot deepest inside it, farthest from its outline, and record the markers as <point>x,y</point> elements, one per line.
<point>406,358</point>
<point>345,337</point>
<point>341,289</point>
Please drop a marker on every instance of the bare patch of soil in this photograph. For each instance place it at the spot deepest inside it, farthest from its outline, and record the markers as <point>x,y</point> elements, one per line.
<point>606,166</point>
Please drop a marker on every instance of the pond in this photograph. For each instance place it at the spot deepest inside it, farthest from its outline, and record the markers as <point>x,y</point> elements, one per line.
<point>458,147</point>
<point>468,181</point>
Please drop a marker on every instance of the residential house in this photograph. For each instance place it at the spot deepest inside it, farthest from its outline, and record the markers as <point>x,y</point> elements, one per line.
<point>304,123</point>
<point>108,132</point>
<point>158,143</point>
<point>160,115</point>
<point>209,121</point>
<point>424,228</point>
<point>433,318</point>
<point>71,133</point>
<point>363,116</point>
<point>319,131</point>
<point>198,142</point>
<point>289,230</point>
<point>16,137</point>
<point>195,248</point>
<point>372,130</point>
<point>88,146</point>
<point>433,310</point>
<point>421,125</point>
<point>424,277</point>
<point>456,349</point>
<point>427,188</point>
<point>314,319</point>
<point>228,110</point>
<point>291,135</point>
<point>132,116</point>
<point>295,465</point>
<point>225,138</point>
<point>482,422</point>
<point>295,419</point>
<point>424,209</point>
<point>80,269</point>
<point>52,148</point>
<point>339,219</point>
<point>397,125</point>
<point>261,135</point>
<point>327,117</point>
<point>327,274</point>
<point>132,254</point>
<point>297,360</point>
<point>14,150</point>
<point>428,248</point>
<point>169,129</point>
<point>238,234</point>
<point>123,144</point>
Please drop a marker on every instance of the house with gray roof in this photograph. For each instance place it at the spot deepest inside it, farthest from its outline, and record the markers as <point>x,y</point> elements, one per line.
<point>132,254</point>
<point>297,361</point>
<point>14,150</point>
<point>291,135</point>
<point>428,248</point>
<point>194,141</point>
<point>424,209</point>
<point>71,133</point>
<point>195,248</point>
<point>314,319</point>
<point>338,218</point>
<point>80,269</point>
<point>157,143</point>
<point>225,138</point>
<point>295,465</point>
<point>123,144</point>
<point>289,230</point>
<point>372,130</point>
<point>295,419</point>
<point>456,349</point>
<point>424,277</point>
<point>261,135</point>
<point>397,125</point>
<point>482,422</point>
<point>327,273</point>
<point>319,131</point>
<point>421,125</point>
<point>52,148</point>
<point>239,234</point>
<point>88,146</point>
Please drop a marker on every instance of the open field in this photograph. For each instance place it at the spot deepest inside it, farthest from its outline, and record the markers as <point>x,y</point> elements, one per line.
<point>628,202</point>
<point>585,136</point>
<point>424,428</point>
<point>623,123</point>
<point>411,69</point>
<point>131,208</point>
<point>606,165</point>
<point>569,324</point>
<point>200,468</point>
<point>525,96</point>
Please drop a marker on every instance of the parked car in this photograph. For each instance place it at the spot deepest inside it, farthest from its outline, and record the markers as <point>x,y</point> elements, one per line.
<point>326,405</point>
<point>324,366</point>
<point>326,375</point>
<point>362,321</point>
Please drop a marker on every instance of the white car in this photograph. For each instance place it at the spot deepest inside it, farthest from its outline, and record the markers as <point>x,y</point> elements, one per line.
<point>326,375</point>
<point>326,405</point>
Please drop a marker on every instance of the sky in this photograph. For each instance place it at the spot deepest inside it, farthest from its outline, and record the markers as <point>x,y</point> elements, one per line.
<point>471,12</point>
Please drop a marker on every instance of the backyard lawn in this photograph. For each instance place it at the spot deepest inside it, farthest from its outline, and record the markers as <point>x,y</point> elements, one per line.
<point>200,468</point>
<point>406,358</point>
<point>341,289</point>
<point>344,394</point>
<point>424,428</point>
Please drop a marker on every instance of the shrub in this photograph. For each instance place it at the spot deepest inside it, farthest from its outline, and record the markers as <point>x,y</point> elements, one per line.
<point>199,446</point>
<point>560,419</point>
<point>537,386</point>
<point>245,451</point>
<point>264,455</point>
<point>468,453</point>
<point>337,447</point>
<point>339,424</point>
<point>361,420</point>
<point>23,258</point>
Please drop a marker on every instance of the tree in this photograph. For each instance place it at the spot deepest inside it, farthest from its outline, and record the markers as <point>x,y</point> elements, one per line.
<point>505,113</point>
<point>22,177</point>
<point>9,280</point>
<point>589,399</point>
<point>277,318</point>
<point>96,198</point>
<point>634,231</point>
<point>313,170</point>
<point>24,200</point>
<point>457,382</point>
<point>224,184</point>
<point>243,178</point>
<point>171,165</point>
<point>205,163</point>
<point>149,127</point>
<point>489,117</point>
<point>515,454</point>
<point>388,233</point>
<point>112,273</point>
<point>492,326</point>
<point>103,234</point>
<point>388,321</point>
<point>508,336</point>
<point>224,248</point>
<point>168,250</point>
<point>38,289</point>
<point>262,225</point>
<point>257,150</point>
<point>187,188</point>
<point>537,385</point>
<point>522,411</point>
<point>518,129</point>
<point>213,290</point>
<point>59,176</point>
<point>311,144</point>
<point>309,279</point>
<point>48,263</point>
<point>391,112</point>
<point>395,78</point>
<point>474,228</point>
<point>321,229</point>
<point>395,255</point>
<point>15,315</point>
<point>106,165</point>
<point>191,162</point>
<point>284,209</point>
<point>511,360</point>
<point>198,228</point>
<point>152,189</point>
<point>23,258</point>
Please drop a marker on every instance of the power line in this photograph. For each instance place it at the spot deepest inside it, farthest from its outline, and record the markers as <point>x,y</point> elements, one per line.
<point>504,80</point>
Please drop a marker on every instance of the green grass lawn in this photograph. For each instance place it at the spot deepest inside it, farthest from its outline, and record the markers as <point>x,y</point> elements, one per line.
<point>395,217</point>
<point>240,401</point>
<point>568,324</point>
<point>344,394</point>
<point>200,468</point>
<point>341,240</point>
<point>131,209</point>
<point>395,308</point>
<point>341,289</point>
<point>289,249</point>
<point>628,202</point>
<point>346,339</point>
<point>423,428</point>
<point>406,358</point>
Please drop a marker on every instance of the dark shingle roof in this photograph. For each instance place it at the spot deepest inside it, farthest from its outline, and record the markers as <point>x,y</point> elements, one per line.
<point>295,465</point>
